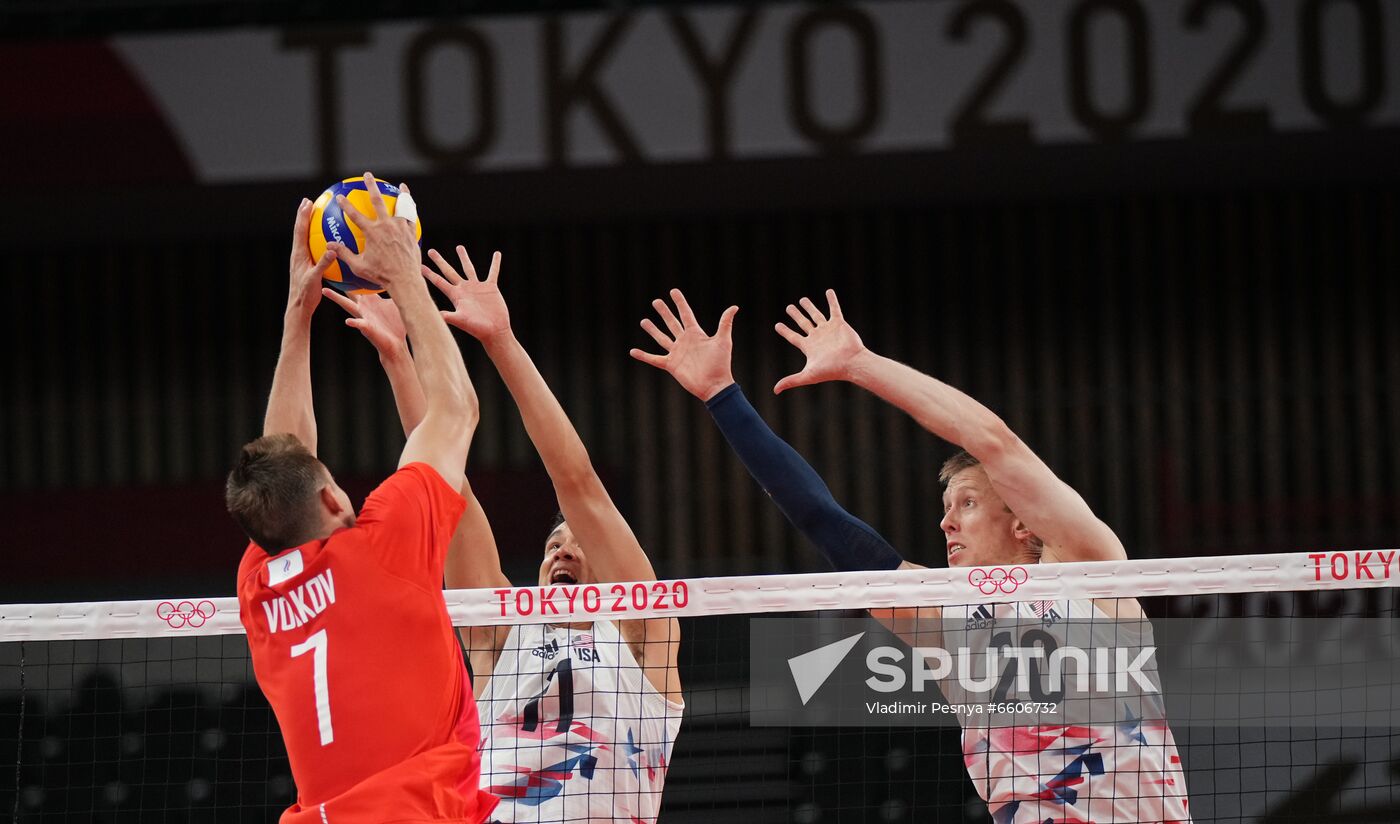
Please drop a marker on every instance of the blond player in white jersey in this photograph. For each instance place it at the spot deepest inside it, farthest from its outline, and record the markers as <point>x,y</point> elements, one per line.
<point>577,720</point>
<point>1003,509</point>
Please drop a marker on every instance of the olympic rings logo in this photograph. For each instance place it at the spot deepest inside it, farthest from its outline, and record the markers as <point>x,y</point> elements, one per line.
<point>989,581</point>
<point>185,613</point>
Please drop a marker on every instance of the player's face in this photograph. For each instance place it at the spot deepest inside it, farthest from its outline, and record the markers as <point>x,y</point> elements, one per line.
<point>978,528</point>
<point>564,562</point>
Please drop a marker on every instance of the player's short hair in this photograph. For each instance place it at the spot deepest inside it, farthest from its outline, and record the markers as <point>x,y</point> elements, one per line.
<point>271,492</point>
<point>965,460</point>
<point>962,460</point>
<point>556,522</point>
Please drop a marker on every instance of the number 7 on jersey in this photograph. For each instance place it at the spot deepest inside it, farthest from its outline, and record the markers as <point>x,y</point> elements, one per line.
<point>317,645</point>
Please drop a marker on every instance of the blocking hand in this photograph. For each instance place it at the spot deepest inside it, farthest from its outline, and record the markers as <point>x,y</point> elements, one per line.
<point>478,308</point>
<point>829,343</point>
<point>699,362</point>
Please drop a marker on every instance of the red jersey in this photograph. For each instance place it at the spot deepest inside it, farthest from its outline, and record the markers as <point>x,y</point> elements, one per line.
<point>352,645</point>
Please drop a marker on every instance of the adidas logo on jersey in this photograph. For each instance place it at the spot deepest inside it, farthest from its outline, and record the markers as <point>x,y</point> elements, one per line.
<point>546,651</point>
<point>981,618</point>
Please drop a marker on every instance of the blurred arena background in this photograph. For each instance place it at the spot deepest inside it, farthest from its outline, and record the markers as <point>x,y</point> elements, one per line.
<point>1160,237</point>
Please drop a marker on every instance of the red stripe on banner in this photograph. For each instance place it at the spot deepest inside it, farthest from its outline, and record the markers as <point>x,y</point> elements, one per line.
<point>75,112</point>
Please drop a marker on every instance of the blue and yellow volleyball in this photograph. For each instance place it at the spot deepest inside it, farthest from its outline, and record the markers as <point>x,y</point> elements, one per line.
<point>328,223</point>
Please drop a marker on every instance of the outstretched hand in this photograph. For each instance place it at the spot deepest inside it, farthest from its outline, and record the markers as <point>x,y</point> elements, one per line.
<point>304,288</point>
<point>378,319</point>
<point>699,362</point>
<point>829,343</point>
<point>478,307</point>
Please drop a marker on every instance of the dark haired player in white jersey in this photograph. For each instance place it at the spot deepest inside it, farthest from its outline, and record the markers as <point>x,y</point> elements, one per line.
<point>1002,506</point>
<point>578,720</point>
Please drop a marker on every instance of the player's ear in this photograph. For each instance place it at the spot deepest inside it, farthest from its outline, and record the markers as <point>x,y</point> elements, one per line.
<point>330,501</point>
<point>1022,532</point>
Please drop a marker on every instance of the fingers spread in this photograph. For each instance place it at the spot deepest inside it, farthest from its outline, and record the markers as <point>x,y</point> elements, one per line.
<point>657,335</point>
<point>726,322</point>
<point>790,382</point>
<point>687,316</point>
<point>800,319</point>
<point>435,279</point>
<point>659,361</point>
<point>833,305</point>
<point>812,311</point>
<point>668,317</point>
<point>788,335</point>
<point>446,268</point>
<point>466,260</point>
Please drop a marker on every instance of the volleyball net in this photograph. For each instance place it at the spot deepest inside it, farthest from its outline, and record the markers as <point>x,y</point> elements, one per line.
<point>1259,688</point>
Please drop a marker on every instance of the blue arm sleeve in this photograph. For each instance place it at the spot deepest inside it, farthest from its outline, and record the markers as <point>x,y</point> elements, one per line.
<point>846,541</point>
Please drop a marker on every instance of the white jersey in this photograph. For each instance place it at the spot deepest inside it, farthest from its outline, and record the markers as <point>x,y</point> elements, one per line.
<point>572,731</point>
<point>1126,770</point>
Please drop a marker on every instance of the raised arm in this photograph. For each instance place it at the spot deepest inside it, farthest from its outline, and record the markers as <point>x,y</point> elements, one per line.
<point>612,548</point>
<point>450,414</point>
<point>1048,506</point>
<point>289,406</point>
<point>700,363</point>
<point>480,311</point>
<point>378,319</point>
<point>474,562</point>
<point>472,558</point>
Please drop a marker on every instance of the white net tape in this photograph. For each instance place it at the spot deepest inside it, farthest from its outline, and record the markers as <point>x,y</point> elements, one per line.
<point>1282,572</point>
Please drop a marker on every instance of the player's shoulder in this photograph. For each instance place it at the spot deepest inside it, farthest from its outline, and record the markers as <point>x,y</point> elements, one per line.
<point>405,493</point>
<point>254,557</point>
<point>416,482</point>
<point>418,473</point>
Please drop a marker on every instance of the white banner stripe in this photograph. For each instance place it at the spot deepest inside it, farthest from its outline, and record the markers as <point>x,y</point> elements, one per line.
<point>754,594</point>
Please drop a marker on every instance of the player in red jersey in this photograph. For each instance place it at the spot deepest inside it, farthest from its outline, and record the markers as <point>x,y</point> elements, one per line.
<point>347,628</point>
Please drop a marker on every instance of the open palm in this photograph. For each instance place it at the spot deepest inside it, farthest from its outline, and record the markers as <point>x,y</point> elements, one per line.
<point>829,343</point>
<point>478,308</point>
<point>699,362</point>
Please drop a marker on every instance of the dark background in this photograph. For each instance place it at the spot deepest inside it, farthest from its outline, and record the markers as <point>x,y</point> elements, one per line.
<point>1215,371</point>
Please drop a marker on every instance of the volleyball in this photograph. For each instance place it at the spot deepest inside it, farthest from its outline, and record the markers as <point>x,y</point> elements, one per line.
<point>328,223</point>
